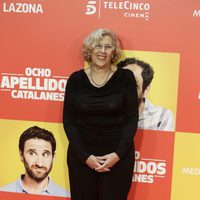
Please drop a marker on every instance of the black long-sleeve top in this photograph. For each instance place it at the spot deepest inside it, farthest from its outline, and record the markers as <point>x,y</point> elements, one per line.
<point>101,120</point>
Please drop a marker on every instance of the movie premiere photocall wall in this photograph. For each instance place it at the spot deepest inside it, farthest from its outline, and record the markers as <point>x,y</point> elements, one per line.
<point>40,47</point>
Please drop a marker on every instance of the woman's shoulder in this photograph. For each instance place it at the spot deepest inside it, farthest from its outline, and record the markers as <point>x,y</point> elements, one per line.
<point>126,74</point>
<point>76,74</point>
<point>75,78</point>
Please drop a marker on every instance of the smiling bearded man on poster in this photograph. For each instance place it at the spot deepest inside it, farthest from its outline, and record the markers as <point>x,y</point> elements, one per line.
<point>37,150</point>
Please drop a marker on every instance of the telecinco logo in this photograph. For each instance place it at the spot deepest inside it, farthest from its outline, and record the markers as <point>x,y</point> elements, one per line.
<point>128,9</point>
<point>91,8</point>
<point>196,13</point>
<point>22,8</point>
<point>36,84</point>
<point>146,170</point>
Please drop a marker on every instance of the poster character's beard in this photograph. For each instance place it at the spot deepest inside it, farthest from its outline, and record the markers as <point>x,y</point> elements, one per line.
<point>37,177</point>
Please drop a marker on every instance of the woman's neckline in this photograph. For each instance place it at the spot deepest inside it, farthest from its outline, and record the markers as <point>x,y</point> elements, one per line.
<point>107,83</point>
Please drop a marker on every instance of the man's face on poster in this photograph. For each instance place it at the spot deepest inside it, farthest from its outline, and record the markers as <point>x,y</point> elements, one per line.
<point>37,158</point>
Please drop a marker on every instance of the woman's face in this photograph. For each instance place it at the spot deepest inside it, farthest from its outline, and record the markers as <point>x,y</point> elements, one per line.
<point>102,52</point>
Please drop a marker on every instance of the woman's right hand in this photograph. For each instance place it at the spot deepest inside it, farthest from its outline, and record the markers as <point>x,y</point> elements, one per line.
<point>92,162</point>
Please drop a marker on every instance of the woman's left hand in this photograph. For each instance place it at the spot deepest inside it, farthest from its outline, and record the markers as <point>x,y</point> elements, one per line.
<point>107,161</point>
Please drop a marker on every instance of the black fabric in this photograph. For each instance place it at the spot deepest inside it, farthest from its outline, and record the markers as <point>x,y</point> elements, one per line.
<point>87,184</point>
<point>99,121</point>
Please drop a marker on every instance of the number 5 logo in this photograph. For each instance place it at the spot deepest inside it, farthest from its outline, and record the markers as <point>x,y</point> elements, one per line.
<point>91,8</point>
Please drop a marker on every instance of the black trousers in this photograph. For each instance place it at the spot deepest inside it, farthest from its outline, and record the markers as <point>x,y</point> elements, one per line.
<point>87,184</point>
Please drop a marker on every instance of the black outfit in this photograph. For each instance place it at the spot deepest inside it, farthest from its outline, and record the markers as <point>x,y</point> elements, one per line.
<point>99,121</point>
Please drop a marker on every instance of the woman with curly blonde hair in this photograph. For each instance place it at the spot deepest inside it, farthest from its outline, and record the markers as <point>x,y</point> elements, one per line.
<point>100,120</point>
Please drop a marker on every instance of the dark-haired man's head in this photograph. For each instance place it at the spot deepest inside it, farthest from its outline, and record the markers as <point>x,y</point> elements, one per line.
<point>147,71</point>
<point>37,149</point>
<point>143,74</point>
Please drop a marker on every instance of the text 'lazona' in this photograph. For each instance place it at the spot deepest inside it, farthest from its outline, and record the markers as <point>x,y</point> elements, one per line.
<point>22,8</point>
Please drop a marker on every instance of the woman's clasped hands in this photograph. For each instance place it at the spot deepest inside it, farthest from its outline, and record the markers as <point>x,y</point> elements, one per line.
<point>102,163</point>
